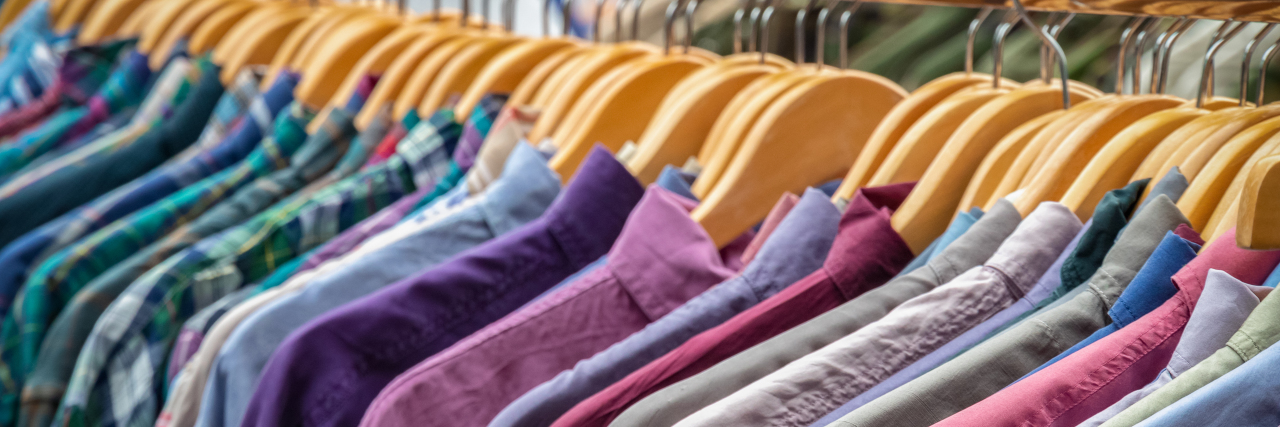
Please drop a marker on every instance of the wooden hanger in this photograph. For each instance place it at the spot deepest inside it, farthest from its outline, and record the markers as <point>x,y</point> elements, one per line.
<point>301,40</point>
<point>163,17</point>
<point>1258,218</point>
<point>181,28</point>
<point>1224,215</point>
<point>245,17</point>
<point>107,18</point>
<point>523,94</point>
<point>334,58</point>
<point>374,61</point>
<point>810,134</point>
<point>1001,161</point>
<point>399,72</point>
<point>262,43</point>
<point>510,67</point>
<point>132,25</point>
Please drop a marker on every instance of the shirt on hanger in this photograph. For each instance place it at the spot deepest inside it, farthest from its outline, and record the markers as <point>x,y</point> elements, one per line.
<point>986,368</point>
<point>1173,184</point>
<point>796,247</point>
<point>30,56</point>
<point>509,129</point>
<point>958,226</point>
<point>866,253</point>
<point>83,70</point>
<point>1149,289</point>
<point>520,197</point>
<point>1109,218</point>
<point>432,311</point>
<point>1245,396</point>
<point>1222,309</point>
<point>661,259</point>
<point>81,183</point>
<point>807,389</point>
<point>125,88</point>
<point>1043,287</point>
<point>1259,332</point>
<point>387,147</point>
<point>1077,387</point>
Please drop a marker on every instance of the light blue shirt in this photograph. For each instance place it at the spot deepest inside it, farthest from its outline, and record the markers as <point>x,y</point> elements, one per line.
<point>1246,396</point>
<point>958,226</point>
<point>796,248</point>
<point>523,192</point>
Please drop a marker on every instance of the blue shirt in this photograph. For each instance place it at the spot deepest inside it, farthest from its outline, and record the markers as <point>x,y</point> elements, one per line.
<point>1151,287</point>
<point>24,253</point>
<point>523,192</point>
<point>1273,279</point>
<point>1246,396</point>
<point>796,248</point>
<point>958,226</point>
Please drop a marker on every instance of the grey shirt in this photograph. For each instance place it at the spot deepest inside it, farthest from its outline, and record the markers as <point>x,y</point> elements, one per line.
<point>996,363</point>
<point>671,404</point>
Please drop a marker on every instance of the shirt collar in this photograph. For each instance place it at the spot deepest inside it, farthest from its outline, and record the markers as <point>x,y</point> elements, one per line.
<point>1153,285</point>
<point>1132,248</point>
<point>85,69</point>
<point>867,249</point>
<point>1222,309</point>
<point>987,232</point>
<point>324,147</point>
<point>1035,244</point>
<point>679,182</point>
<point>1249,266</point>
<point>806,232</point>
<point>595,203</point>
<point>523,192</point>
<point>660,244</point>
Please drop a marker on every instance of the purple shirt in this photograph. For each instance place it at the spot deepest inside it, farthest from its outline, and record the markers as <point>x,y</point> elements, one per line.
<point>367,343</point>
<point>662,259</point>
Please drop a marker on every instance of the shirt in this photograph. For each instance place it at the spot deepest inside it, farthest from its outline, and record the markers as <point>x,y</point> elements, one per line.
<point>1109,217</point>
<point>1072,390</point>
<point>958,226</point>
<point>509,128</point>
<point>1043,287</point>
<point>1173,184</point>
<point>81,183</point>
<point>1222,309</point>
<point>387,147</point>
<point>985,369</point>
<point>1245,396</point>
<point>1148,290</point>
<point>125,88</point>
<point>796,248</point>
<point>808,388</point>
<point>432,311</point>
<point>82,71</point>
<point>661,259</point>
<point>518,198</point>
<point>865,253</point>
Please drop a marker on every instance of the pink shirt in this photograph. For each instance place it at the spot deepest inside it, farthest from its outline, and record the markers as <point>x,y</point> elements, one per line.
<point>1082,384</point>
<point>661,259</point>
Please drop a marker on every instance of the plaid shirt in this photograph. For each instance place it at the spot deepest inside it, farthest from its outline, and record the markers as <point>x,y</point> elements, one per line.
<point>82,72</point>
<point>65,273</point>
<point>387,147</point>
<point>125,88</point>
<point>129,343</point>
<point>478,125</point>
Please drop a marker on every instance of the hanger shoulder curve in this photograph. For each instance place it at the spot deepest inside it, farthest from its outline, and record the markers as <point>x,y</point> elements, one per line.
<point>1259,207</point>
<point>573,83</point>
<point>459,72</point>
<point>506,70</point>
<point>1002,161</point>
<point>109,16</point>
<point>399,73</point>
<point>1211,182</point>
<point>525,92</point>
<point>924,139</point>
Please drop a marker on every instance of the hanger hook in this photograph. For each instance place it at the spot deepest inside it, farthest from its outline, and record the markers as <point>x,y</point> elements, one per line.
<point>1168,52</point>
<point>1139,40</point>
<point>764,31</point>
<point>1206,76</point>
<point>821,36</point>
<point>1266,63</point>
<point>668,26</point>
<point>1057,50</point>
<point>1249,49</point>
<point>973,33</point>
<point>690,9</point>
<point>737,24</point>
<point>845,17</point>
<point>1126,36</point>
<point>1157,53</point>
<point>1006,25</point>
<point>801,26</point>
<point>1046,62</point>
<point>599,22</point>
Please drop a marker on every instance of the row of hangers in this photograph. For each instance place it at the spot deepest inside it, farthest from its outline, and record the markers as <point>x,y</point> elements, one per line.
<point>757,123</point>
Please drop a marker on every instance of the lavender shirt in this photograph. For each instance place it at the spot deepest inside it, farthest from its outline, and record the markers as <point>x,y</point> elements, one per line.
<point>797,247</point>
<point>367,343</point>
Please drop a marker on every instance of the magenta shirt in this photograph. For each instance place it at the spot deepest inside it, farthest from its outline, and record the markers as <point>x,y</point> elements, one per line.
<point>330,370</point>
<point>1080,385</point>
<point>662,259</point>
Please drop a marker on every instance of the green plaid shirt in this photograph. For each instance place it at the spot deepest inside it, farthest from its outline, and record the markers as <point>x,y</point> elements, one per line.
<point>60,277</point>
<point>129,344</point>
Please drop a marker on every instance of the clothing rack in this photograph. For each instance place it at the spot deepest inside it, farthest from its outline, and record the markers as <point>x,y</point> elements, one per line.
<point>1261,11</point>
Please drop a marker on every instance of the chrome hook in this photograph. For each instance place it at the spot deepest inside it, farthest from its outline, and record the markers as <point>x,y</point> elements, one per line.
<point>1002,31</point>
<point>1046,62</point>
<point>1206,75</point>
<point>973,33</point>
<point>1125,37</point>
<point>1168,53</point>
<point>1248,58</point>
<point>1057,49</point>
<point>1139,40</point>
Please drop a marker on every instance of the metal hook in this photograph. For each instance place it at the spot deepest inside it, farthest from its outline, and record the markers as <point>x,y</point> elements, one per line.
<point>820,39</point>
<point>1125,38</point>
<point>689,10</point>
<point>764,31</point>
<point>1158,52</point>
<point>1057,49</point>
<point>737,24</point>
<point>1206,76</point>
<point>546,17</point>
<point>845,17</point>
<point>754,23</point>
<point>800,28</point>
<point>1266,63</point>
<point>595,29</point>
<point>820,48</point>
<point>1213,63</point>
<point>484,14</point>
<point>1002,30</point>
<point>618,9</point>
<point>973,32</point>
<point>668,26</point>
<point>1139,40</point>
<point>1046,62</point>
<point>1248,58</point>
<point>466,13</point>
<point>1168,52</point>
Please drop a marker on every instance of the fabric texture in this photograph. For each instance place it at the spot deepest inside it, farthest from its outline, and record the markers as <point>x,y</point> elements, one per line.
<point>985,369</point>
